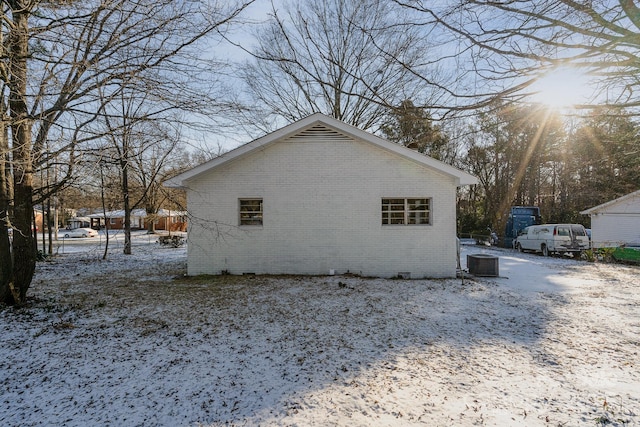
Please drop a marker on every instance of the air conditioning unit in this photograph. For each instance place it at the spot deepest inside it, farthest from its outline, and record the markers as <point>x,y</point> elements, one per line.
<point>483,265</point>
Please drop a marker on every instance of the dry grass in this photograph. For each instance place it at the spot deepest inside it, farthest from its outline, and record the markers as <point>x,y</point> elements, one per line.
<point>287,350</point>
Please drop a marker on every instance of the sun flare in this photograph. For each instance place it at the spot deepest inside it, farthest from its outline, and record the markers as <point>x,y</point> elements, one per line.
<point>562,88</point>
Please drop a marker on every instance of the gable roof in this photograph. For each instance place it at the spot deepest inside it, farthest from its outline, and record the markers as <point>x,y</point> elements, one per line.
<point>321,126</point>
<point>605,206</point>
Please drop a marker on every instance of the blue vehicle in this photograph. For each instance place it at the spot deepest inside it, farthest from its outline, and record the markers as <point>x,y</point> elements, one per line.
<point>519,218</point>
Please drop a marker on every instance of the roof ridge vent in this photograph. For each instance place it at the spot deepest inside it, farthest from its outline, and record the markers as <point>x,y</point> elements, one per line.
<point>317,133</point>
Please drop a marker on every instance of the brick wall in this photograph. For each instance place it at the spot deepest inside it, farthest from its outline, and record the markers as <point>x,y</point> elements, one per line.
<point>322,212</point>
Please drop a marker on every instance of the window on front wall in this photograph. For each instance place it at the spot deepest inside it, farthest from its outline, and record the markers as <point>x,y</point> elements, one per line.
<point>406,211</point>
<point>250,211</point>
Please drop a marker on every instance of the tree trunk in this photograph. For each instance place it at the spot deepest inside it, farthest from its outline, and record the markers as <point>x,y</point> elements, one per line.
<point>104,212</point>
<point>6,263</point>
<point>127,206</point>
<point>151,219</point>
<point>24,255</point>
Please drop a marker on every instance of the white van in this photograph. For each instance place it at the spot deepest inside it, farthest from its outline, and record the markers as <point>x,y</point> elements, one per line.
<point>553,238</point>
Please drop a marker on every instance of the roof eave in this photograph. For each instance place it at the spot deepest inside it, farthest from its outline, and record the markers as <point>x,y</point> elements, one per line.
<point>599,208</point>
<point>461,177</point>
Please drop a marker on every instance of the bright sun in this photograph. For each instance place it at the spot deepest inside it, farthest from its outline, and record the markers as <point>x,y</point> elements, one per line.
<point>561,88</point>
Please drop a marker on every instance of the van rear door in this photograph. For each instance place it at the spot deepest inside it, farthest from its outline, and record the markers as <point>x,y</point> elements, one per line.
<point>580,237</point>
<point>562,237</point>
<point>570,238</point>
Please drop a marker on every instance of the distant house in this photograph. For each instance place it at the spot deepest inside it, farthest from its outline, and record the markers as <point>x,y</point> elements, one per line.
<point>322,197</point>
<point>616,223</point>
<point>78,222</point>
<point>168,220</point>
<point>115,219</point>
<point>164,220</point>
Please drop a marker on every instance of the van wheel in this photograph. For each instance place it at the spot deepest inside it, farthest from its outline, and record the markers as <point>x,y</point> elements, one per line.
<point>545,250</point>
<point>519,247</point>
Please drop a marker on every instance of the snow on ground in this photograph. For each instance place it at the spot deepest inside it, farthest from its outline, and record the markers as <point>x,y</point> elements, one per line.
<point>130,341</point>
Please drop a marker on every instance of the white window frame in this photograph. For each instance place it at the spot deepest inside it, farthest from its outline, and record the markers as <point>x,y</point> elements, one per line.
<point>248,217</point>
<point>407,211</point>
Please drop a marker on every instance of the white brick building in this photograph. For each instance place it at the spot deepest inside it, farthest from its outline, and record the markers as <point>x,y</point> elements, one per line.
<point>320,196</point>
<point>616,223</point>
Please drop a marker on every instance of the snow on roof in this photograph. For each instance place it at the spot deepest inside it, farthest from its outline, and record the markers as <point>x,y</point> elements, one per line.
<point>462,177</point>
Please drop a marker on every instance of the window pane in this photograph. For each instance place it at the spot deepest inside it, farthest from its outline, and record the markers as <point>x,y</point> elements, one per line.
<point>406,211</point>
<point>397,218</point>
<point>392,204</point>
<point>393,201</point>
<point>393,211</point>
<point>578,231</point>
<point>418,204</point>
<point>250,211</point>
<point>418,217</point>
<point>418,211</point>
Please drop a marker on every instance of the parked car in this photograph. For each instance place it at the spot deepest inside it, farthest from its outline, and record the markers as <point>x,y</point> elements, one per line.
<point>553,238</point>
<point>80,232</point>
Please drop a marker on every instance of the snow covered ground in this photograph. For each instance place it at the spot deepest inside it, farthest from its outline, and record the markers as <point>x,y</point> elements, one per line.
<point>130,341</point>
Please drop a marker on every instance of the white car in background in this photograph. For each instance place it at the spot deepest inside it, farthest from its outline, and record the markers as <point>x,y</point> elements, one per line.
<point>80,232</point>
<point>550,239</point>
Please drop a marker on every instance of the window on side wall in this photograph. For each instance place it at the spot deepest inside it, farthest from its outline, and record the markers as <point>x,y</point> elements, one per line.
<point>406,211</point>
<point>250,211</point>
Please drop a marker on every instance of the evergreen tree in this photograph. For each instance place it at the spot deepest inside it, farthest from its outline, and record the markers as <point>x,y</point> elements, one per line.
<point>413,127</point>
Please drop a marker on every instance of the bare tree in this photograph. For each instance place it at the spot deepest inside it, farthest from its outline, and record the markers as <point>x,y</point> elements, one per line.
<point>503,47</point>
<point>54,57</point>
<point>155,164</point>
<point>501,51</point>
<point>141,138</point>
<point>316,57</point>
